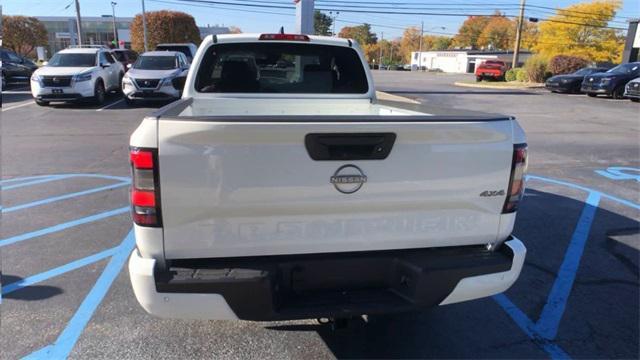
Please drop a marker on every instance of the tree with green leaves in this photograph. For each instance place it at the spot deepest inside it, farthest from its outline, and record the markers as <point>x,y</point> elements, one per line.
<point>23,34</point>
<point>322,23</point>
<point>361,33</point>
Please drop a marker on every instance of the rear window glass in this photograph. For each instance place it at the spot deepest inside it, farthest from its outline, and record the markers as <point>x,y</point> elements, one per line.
<point>183,49</point>
<point>281,68</point>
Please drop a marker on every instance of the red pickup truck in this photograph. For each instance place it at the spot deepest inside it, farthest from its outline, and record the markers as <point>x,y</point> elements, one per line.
<point>491,69</point>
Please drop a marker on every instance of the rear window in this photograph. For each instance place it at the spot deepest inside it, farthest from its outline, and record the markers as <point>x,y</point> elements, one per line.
<point>281,68</point>
<point>183,49</point>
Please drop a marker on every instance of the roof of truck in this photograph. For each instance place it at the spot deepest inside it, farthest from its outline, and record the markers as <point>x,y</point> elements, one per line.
<point>324,40</point>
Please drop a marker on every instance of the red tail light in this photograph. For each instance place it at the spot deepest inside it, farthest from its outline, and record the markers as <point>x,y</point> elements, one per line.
<point>284,37</point>
<point>145,190</point>
<point>516,183</point>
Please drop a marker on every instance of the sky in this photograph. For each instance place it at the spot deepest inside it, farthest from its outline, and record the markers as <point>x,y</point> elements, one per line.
<point>259,18</point>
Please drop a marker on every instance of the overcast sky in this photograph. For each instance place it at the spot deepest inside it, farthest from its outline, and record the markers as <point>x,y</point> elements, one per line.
<point>263,19</point>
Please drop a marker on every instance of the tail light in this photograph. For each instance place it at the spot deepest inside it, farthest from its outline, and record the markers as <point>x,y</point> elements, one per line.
<point>145,190</point>
<point>516,182</point>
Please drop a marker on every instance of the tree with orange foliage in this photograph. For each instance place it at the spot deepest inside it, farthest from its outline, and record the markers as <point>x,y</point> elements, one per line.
<point>164,27</point>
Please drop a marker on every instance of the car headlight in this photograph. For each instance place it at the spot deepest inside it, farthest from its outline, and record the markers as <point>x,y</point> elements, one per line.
<point>82,77</point>
<point>167,81</point>
<point>606,80</point>
<point>35,77</point>
<point>127,80</point>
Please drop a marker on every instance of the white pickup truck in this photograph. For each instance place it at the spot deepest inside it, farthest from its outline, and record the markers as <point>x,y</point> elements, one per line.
<point>279,187</point>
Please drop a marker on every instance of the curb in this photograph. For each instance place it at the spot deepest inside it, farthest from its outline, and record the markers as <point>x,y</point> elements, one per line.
<point>484,86</point>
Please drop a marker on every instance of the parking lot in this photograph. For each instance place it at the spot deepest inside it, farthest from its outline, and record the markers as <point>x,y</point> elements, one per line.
<point>66,238</point>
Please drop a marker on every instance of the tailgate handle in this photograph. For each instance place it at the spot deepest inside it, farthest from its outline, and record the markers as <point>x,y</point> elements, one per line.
<point>349,146</point>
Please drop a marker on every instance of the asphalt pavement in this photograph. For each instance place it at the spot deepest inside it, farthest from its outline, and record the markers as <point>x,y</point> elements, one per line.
<point>66,233</point>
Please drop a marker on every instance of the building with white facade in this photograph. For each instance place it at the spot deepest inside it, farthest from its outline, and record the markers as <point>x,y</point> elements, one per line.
<point>461,61</point>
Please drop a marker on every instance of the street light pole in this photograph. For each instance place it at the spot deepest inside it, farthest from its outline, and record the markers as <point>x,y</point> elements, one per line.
<point>144,27</point>
<point>113,17</point>
<point>420,51</point>
<point>78,22</point>
<point>380,61</point>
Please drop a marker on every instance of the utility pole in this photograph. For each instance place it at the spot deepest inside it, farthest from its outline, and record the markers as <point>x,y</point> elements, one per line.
<point>420,51</point>
<point>391,54</point>
<point>144,27</point>
<point>304,16</point>
<point>79,22</point>
<point>113,17</point>
<point>516,49</point>
<point>333,22</point>
<point>380,57</point>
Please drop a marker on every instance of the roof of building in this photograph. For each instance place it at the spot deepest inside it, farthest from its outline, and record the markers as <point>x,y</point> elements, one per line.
<point>476,52</point>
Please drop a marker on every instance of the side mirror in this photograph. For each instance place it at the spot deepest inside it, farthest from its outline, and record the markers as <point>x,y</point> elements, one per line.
<point>129,66</point>
<point>104,66</point>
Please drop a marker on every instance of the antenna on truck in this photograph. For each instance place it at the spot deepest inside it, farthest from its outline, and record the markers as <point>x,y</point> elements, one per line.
<point>281,29</point>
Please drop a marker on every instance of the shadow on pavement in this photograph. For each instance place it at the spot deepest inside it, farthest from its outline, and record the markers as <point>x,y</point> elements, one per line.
<point>29,293</point>
<point>600,319</point>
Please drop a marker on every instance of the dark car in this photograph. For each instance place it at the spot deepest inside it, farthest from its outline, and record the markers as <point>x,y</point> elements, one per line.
<point>15,67</point>
<point>571,83</point>
<point>125,56</point>
<point>611,82</point>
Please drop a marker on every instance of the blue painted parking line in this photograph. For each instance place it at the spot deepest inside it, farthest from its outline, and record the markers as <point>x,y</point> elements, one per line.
<point>553,310</point>
<point>64,197</point>
<point>36,181</point>
<point>529,328</point>
<point>32,280</point>
<point>24,178</point>
<point>63,226</point>
<point>62,347</point>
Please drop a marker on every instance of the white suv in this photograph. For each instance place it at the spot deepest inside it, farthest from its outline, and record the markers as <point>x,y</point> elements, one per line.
<point>75,74</point>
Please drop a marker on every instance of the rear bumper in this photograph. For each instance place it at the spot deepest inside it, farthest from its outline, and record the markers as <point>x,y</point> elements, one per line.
<point>323,285</point>
<point>632,95</point>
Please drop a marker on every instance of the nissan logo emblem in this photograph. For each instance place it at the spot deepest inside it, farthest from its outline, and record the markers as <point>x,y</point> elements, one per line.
<point>348,179</point>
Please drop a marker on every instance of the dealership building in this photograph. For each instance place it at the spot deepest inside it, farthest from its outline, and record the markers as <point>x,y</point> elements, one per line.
<point>461,61</point>
<point>62,31</point>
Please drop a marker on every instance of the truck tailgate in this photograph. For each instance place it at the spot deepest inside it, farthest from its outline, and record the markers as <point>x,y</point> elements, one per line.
<point>250,187</point>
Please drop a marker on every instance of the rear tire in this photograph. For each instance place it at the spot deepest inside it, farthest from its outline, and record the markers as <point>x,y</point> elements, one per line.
<point>130,102</point>
<point>591,95</point>
<point>42,102</point>
<point>99,93</point>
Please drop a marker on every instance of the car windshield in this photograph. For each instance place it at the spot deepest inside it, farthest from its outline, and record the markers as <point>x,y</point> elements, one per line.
<point>584,71</point>
<point>625,68</point>
<point>281,68</point>
<point>155,63</point>
<point>73,60</point>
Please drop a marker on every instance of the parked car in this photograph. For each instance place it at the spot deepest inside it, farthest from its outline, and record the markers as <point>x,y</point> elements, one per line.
<point>188,49</point>
<point>77,73</point>
<point>611,82</point>
<point>125,56</point>
<point>571,83</point>
<point>491,69</point>
<point>632,90</point>
<point>15,67</point>
<point>298,196</point>
<point>156,75</point>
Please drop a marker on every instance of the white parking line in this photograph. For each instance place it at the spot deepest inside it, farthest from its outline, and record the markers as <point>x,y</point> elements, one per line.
<point>16,92</point>
<point>30,102</point>
<point>110,105</point>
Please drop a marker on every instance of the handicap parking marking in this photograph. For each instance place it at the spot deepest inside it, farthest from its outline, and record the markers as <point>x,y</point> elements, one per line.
<point>620,173</point>
<point>545,330</point>
<point>65,342</point>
